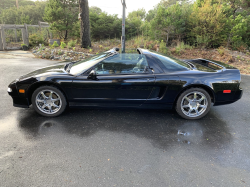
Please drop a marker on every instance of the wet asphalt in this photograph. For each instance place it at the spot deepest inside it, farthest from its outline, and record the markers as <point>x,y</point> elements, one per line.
<point>121,147</point>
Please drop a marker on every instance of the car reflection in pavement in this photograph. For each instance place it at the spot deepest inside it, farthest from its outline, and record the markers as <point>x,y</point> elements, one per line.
<point>163,129</point>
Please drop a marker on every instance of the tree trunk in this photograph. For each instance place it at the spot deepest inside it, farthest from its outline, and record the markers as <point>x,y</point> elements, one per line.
<point>167,39</point>
<point>85,26</point>
<point>66,35</point>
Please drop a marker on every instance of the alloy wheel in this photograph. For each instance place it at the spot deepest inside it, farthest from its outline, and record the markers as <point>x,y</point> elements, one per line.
<point>48,101</point>
<point>194,104</point>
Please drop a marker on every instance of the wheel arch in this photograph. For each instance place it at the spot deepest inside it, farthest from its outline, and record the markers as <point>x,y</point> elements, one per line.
<point>205,87</point>
<point>36,85</point>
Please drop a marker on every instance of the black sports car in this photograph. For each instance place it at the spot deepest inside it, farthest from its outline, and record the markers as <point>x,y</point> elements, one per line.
<point>144,79</point>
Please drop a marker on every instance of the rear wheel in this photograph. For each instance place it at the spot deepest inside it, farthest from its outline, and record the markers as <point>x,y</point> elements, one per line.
<point>193,103</point>
<point>49,101</point>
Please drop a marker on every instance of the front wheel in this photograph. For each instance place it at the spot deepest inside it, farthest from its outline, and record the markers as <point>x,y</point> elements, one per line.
<point>193,103</point>
<point>48,101</point>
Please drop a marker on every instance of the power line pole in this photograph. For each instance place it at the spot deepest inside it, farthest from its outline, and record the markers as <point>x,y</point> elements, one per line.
<point>123,26</point>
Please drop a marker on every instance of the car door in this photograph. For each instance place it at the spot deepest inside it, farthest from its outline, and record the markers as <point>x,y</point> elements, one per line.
<point>121,80</point>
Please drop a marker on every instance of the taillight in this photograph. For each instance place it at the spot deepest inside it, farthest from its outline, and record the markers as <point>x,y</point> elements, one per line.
<point>226,91</point>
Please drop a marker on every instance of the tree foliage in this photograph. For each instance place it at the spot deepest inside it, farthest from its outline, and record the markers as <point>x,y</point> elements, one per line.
<point>7,4</point>
<point>30,14</point>
<point>62,16</point>
<point>204,23</point>
<point>104,25</point>
<point>207,23</point>
<point>170,22</point>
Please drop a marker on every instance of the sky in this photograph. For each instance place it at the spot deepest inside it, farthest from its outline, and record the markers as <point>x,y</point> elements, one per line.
<point>115,6</point>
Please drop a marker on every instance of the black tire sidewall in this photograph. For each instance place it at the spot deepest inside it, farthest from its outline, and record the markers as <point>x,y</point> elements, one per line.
<point>178,104</point>
<point>56,90</point>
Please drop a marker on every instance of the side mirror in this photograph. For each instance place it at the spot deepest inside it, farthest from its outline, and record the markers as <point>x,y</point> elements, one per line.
<point>92,75</point>
<point>149,70</point>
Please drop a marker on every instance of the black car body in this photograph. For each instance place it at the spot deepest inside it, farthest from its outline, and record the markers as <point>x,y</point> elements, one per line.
<point>159,85</point>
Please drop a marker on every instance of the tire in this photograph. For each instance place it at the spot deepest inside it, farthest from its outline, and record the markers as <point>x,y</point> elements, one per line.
<point>48,101</point>
<point>189,107</point>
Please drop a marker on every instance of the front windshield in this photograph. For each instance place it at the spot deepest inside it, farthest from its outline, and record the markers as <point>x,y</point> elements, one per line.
<point>85,64</point>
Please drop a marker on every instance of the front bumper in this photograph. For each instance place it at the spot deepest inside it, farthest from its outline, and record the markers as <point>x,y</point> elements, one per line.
<point>19,100</point>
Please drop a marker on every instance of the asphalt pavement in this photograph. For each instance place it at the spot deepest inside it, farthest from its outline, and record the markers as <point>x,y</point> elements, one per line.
<point>120,147</point>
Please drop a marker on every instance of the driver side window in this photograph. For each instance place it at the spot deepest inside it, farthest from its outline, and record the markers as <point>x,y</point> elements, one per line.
<point>122,64</point>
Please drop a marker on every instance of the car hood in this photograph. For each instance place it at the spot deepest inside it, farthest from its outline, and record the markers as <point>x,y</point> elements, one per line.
<point>53,70</point>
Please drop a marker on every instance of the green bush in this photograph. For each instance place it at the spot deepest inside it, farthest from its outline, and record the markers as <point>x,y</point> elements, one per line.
<point>63,45</point>
<point>55,44</point>
<point>72,43</point>
<point>181,47</point>
<point>36,39</point>
<point>163,48</point>
<point>51,46</point>
<point>59,52</point>
<point>221,51</point>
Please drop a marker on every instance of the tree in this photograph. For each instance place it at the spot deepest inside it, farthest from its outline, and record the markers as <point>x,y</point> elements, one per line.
<point>150,15</point>
<point>237,23</point>
<point>62,15</point>
<point>6,4</point>
<point>168,3</point>
<point>85,25</point>
<point>95,9</point>
<point>207,23</point>
<point>170,22</point>
<point>104,26</point>
<point>30,14</point>
<point>140,13</point>
<point>135,21</point>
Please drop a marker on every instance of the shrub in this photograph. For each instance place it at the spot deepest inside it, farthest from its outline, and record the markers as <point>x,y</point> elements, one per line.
<point>63,45</point>
<point>221,51</point>
<point>181,47</point>
<point>72,43</point>
<point>59,52</point>
<point>163,48</point>
<point>36,39</point>
<point>55,44</point>
<point>51,46</point>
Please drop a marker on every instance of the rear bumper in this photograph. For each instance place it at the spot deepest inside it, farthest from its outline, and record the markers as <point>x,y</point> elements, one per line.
<point>238,94</point>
